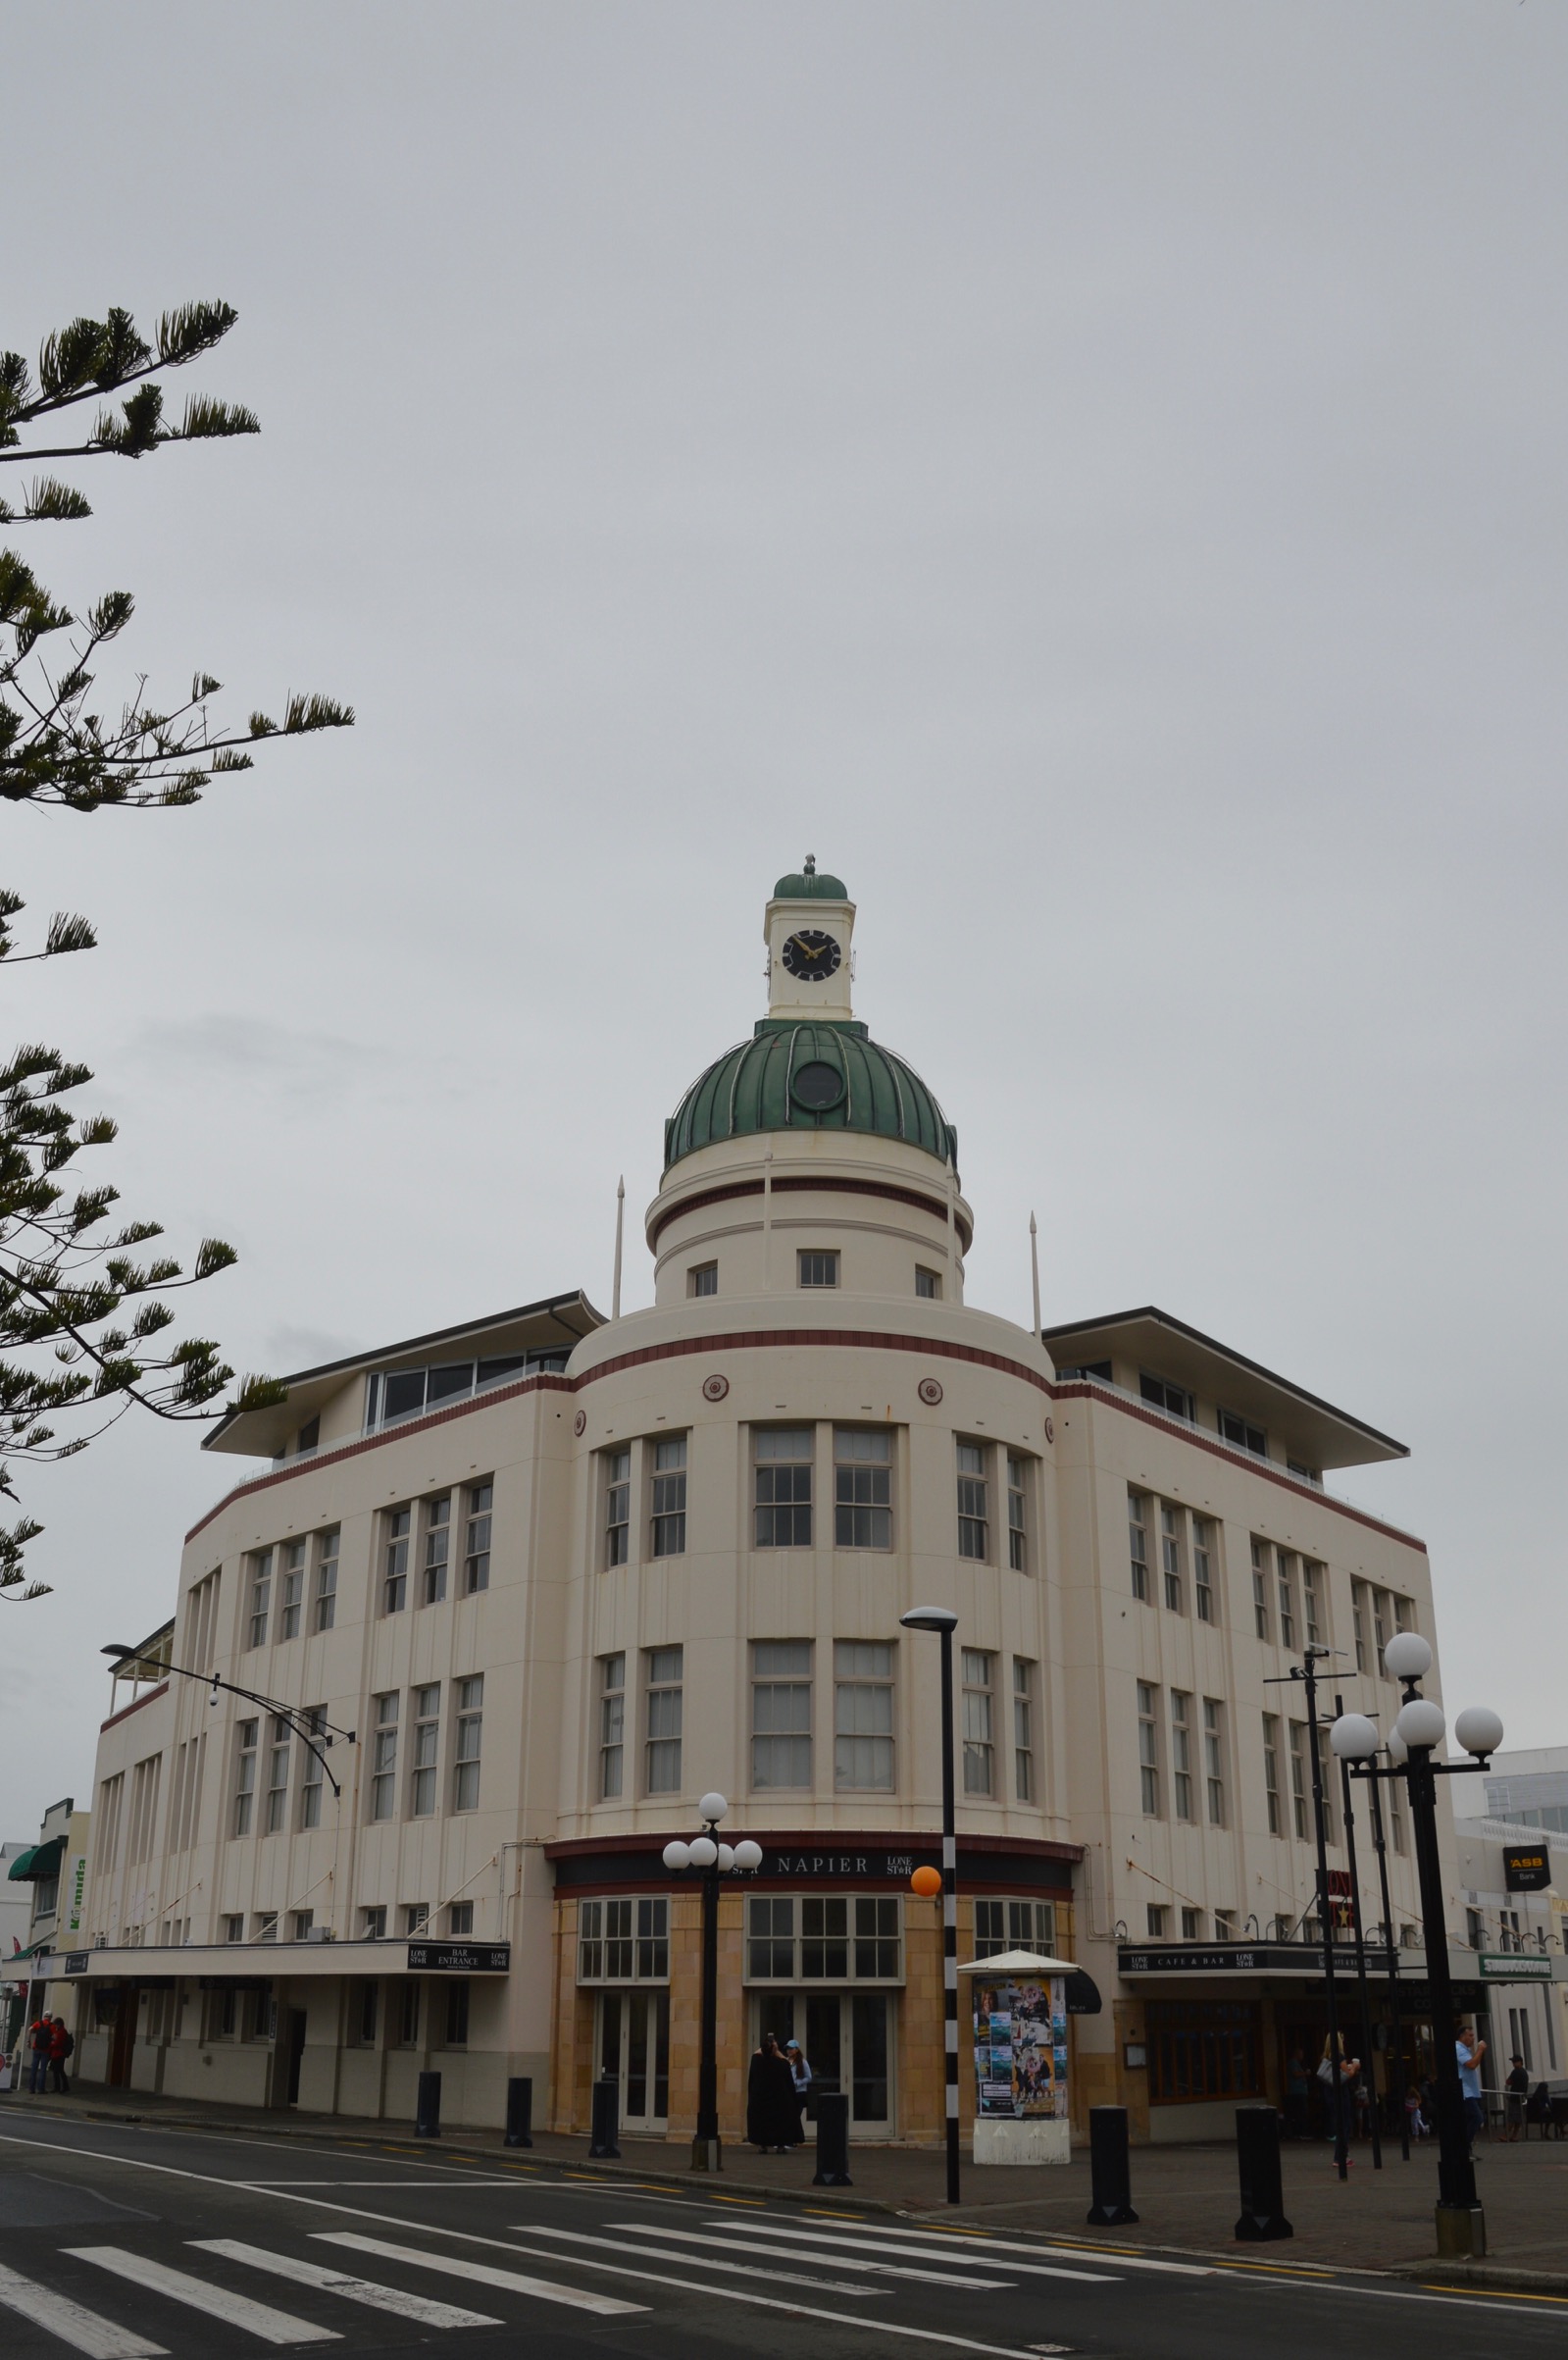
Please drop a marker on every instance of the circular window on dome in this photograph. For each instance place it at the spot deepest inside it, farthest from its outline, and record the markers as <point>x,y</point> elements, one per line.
<point>817,1087</point>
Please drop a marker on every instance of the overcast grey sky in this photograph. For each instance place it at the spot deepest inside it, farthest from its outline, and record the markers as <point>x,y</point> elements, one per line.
<point>1094,475</point>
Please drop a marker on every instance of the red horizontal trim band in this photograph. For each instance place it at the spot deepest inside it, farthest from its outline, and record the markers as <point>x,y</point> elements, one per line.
<point>125,1710</point>
<point>546,1382</point>
<point>853,1338</point>
<point>792,1185</point>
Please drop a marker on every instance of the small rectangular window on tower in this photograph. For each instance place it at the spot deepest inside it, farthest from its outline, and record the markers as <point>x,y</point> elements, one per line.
<point>927,1285</point>
<point>476,1540</point>
<point>394,1580</point>
<point>781,1714</point>
<point>863,1716</point>
<point>470,1736</point>
<point>617,1507</point>
<point>863,1515</point>
<point>974,1514</point>
<point>1137,1542</point>
<point>438,1545</point>
<point>663,1671</point>
<point>668,1536</point>
<point>817,1268</point>
<point>703,1279</point>
<point>979,1704</point>
<point>782,1473</point>
<point>612,1726</point>
<point>1023,1729</point>
<point>1017,1515</point>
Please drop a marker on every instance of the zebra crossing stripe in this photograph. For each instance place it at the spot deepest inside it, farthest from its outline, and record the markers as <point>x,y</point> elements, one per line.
<point>234,2310</point>
<point>376,2297</point>
<point>873,2264</point>
<point>484,2273</point>
<point>747,2269</point>
<point>982,2242</point>
<point>835,2239</point>
<point>81,2329</point>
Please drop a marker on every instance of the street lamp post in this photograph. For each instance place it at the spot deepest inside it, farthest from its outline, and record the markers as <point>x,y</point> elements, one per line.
<point>1419,1729</point>
<point>712,1861</point>
<point>1358,1931</point>
<point>1396,2052</point>
<point>307,1726</point>
<point>1306,1672</point>
<point>944,1622</point>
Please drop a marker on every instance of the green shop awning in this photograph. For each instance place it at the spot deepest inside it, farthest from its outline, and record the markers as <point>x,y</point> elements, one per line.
<point>42,1861</point>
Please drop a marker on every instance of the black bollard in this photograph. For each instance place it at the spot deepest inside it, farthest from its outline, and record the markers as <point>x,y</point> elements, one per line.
<point>833,2142</point>
<point>606,2113</point>
<point>518,2114</point>
<point>427,2110</point>
<point>1258,2152</point>
<point>1109,2168</point>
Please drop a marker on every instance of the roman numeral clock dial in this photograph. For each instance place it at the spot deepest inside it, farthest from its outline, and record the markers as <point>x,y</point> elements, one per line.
<point>811,956</point>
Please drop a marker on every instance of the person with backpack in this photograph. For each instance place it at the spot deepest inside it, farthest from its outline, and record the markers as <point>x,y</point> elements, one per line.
<point>40,2034</point>
<point>61,2046</point>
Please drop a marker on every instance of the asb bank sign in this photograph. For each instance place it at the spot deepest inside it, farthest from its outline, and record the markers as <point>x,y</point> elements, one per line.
<point>1526,1868</point>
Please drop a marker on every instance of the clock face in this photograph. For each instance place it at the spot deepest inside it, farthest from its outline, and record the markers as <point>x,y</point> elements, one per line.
<point>811,956</point>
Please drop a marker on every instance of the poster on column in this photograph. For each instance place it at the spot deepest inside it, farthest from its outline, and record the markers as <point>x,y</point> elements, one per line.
<point>1021,2048</point>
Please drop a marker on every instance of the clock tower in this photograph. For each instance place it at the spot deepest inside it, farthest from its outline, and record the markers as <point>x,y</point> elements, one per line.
<point>808,926</point>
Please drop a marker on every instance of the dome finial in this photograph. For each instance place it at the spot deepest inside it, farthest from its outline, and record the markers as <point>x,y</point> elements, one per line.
<point>811,865</point>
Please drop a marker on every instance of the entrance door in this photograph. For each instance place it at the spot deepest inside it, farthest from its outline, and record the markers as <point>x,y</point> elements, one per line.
<point>123,2039</point>
<point>634,2047</point>
<point>297,2051</point>
<point>847,2038</point>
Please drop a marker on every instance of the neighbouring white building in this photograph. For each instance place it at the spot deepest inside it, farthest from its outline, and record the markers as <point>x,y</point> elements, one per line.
<point>560,1576</point>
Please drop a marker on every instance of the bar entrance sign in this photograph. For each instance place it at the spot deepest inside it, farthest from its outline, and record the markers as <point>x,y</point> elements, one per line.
<point>1020,2050</point>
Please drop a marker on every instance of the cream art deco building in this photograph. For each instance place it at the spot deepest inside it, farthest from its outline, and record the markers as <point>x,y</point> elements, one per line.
<point>561,1575</point>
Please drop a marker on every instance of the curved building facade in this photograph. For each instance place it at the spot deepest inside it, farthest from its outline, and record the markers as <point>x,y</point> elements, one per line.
<point>563,1575</point>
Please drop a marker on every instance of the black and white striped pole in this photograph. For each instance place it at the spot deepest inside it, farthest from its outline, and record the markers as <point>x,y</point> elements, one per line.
<point>944,1622</point>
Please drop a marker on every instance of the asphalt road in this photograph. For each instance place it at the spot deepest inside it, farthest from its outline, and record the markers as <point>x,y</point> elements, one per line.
<point>127,2242</point>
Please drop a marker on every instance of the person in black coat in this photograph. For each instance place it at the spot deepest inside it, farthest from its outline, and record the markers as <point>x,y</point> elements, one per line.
<point>773,2118</point>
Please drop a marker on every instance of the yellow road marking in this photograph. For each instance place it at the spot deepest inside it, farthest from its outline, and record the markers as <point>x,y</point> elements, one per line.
<point>1498,2294</point>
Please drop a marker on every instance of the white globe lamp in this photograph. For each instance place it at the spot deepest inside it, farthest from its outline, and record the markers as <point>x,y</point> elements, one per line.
<point>1353,1737</point>
<point>748,1854</point>
<point>1408,1655</point>
<point>1479,1730</point>
<point>712,1806</point>
<point>703,1853</point>
<point>1420,1722</point>
<point>677,1856</point>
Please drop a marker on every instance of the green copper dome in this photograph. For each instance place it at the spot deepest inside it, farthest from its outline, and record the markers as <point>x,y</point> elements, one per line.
<point>806,886</point>
<point>808,1077</point>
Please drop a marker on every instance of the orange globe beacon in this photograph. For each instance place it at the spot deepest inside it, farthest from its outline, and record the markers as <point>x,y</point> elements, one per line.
<point>927,1882</point>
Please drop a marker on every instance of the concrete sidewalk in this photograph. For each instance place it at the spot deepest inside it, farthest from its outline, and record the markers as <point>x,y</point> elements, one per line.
<point>1186,2197</point>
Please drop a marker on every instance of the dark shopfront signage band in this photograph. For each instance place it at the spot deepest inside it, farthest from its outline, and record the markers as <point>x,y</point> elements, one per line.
<point>459,1958</point>
<point>814,1865</point>
<point>1233,1958</point>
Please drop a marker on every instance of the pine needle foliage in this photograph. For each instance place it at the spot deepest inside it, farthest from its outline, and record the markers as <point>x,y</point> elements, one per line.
<point>83,1320</point>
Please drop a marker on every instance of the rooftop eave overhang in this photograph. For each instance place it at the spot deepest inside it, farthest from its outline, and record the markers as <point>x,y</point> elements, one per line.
<point>531,1326</point>
<point>1324,1435</point>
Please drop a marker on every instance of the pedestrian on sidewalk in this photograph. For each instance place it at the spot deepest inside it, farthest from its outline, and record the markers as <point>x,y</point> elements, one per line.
<point>800,2076</point>
<point>1517,2090</point>
<point>1339,2087</point>
<point>772,2121</point>
<point>1468,2050</point>
<point>61,2046</point>
<point>1420,2127</point>
<point>39,2035</point>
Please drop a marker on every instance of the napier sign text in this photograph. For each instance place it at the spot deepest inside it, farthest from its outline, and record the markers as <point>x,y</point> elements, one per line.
<point>893,1865</point>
